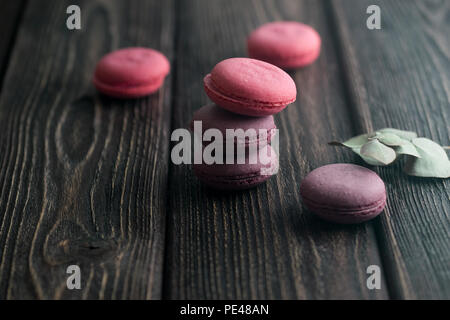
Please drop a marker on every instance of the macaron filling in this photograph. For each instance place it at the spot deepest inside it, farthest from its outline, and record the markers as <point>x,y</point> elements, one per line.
<point>346,217</point>
<point>361,210</point>
<point>235,128</point>
<point>248,140</point>
<point>212,86</point>
<point>128,90</point>
<point>239,176</point>
<point>291,61</point>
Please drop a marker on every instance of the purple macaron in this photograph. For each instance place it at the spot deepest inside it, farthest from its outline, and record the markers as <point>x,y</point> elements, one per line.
<point>236,176</point>
<point>259,130</point>
<point>344,193</point>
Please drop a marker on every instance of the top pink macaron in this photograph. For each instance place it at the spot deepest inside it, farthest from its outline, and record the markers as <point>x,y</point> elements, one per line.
<point>250,87</point>
<point>131,72</point>
<point>286,44</point>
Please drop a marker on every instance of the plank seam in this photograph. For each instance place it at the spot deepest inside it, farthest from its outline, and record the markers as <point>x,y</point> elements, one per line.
<point>359,111</point>
<point>12,41</point>
<point>174,87</point>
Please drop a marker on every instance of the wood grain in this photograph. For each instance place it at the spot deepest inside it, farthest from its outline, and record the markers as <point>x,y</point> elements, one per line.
<point>86,180</point>
<point>82,177</point>
<point>262,243</point>
<point>399,77</point>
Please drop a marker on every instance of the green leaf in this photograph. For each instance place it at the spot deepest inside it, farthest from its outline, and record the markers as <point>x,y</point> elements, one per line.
<point>387,138</point>
<point>407,148</point>
<point>354,142</point>
<point>433,161</point>
<point>368,160</point>
<point>408,135</point>
<point>375,150</point>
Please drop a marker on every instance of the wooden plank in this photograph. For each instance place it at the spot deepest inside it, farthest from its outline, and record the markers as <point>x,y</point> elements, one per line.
<point>399,77</point>
<point>262,243</point>
<point>10,13</point>
<point>82,177</point>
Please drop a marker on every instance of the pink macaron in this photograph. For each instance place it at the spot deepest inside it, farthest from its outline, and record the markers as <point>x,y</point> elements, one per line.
<point>286,44</point>
<point>344,193</point>
<point>250,87</point>
<point>131,72</point>
<point>255,130</point>
<point>258,167</point>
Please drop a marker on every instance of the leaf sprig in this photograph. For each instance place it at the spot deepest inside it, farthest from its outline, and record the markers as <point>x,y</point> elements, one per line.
<point>425,158</point>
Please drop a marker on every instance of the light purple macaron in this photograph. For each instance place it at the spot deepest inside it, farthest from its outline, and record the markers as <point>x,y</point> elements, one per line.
<point>258,167</point>
<point>259,130</point>
<point>344,193</point>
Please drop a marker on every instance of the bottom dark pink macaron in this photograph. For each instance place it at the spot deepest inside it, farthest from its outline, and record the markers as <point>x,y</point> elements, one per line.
<point>236,176</point>
<point>344,193</point>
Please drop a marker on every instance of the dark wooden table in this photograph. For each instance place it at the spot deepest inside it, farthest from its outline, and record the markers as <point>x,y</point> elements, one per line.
<point>88,180</point>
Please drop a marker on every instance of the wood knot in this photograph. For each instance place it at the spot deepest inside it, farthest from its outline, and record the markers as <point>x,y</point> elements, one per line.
<point>82,250</point>
<point>90,248</point>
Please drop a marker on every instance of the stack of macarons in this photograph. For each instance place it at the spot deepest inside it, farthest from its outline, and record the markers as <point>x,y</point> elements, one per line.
<point>246,94</point>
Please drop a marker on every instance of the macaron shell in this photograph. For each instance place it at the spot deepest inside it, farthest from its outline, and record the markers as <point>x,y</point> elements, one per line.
<point>286,44</point>
<point>214,117</point>
<point>131,72</point>
<point>344,192</point>
<point>250,87</point>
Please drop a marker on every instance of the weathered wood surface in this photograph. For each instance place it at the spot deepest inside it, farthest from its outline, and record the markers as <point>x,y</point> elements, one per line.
<point>262,243</point>
<point>82,178</point>
<point>400,77</point>
<point>87,180</point>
